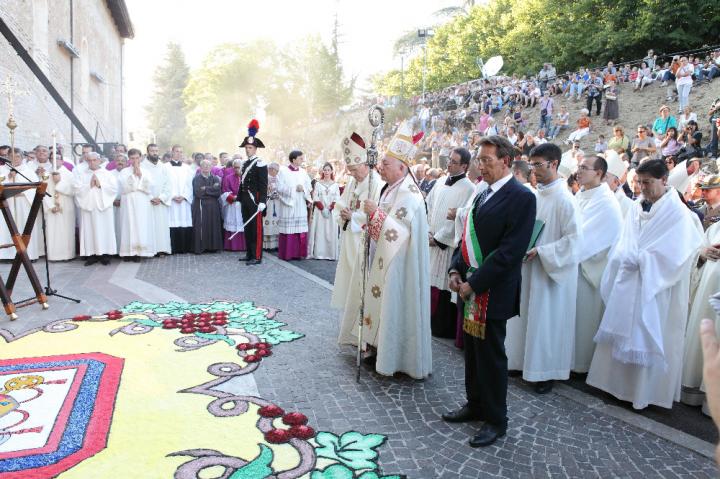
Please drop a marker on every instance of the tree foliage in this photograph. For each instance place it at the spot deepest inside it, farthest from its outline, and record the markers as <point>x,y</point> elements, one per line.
<point>568,33</point>
<point>291,85</point>
<point>166,111</point>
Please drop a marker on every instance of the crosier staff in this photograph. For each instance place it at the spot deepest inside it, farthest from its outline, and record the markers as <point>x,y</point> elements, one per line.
<point>376,116</point>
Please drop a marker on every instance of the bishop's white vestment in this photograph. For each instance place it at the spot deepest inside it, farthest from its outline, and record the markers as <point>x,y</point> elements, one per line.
<point>397,297</point>
<point>351,237</point>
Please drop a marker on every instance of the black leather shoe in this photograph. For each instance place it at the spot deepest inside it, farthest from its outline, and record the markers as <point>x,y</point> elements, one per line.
<point>91,260</point>
<point>464,414</point>
<point>487,435</point>
<point>543,387</point>
<point>105,260</point>
<point>254,261</point>
<point>370,360</point>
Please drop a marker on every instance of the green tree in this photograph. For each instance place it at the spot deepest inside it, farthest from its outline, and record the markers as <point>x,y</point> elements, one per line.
<point>165,113</point>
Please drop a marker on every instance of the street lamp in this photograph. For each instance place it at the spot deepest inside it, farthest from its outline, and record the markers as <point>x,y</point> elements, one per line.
<point>424,33</point>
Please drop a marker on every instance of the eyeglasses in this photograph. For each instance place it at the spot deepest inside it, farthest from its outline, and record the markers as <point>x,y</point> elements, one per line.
<point>585,168</point>
<point>538,164</point>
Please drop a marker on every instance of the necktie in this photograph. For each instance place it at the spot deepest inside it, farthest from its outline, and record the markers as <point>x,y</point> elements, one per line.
<point>482,197</point>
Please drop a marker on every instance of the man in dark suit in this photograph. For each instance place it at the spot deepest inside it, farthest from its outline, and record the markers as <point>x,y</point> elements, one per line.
<point>485,272</point>
<point>253,194</point>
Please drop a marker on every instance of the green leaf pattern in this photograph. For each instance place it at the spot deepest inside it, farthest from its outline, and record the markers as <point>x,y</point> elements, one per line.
<point>242,316</point>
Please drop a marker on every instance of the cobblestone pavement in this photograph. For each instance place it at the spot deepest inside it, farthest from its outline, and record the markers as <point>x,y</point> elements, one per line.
<point>549,436</point>
<point>562,434</point>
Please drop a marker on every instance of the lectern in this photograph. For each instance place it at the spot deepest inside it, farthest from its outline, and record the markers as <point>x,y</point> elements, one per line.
<point>20,242</point>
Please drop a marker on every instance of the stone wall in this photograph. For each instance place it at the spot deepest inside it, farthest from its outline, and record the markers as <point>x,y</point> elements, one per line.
<point>39,24</point>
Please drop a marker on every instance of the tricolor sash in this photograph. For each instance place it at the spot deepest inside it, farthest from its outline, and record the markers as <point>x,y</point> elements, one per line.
<point>475,310</point>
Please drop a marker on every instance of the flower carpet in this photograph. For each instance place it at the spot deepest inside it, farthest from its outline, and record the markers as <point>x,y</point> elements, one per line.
<point>162,391</point>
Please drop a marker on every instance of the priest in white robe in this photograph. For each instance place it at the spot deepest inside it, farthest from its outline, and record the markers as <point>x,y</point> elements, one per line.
<point>60,213</point>
<point>541,341</point>
<point>645,287</point>
<point>449,193</point>
<point>616,176</point>
<point>601,225</point>
<point>20,206</point>
<point>294,188</point>
<point>160,199</point>
<point>95,191</point>
<point>136,240</point>
<point>181,176</point>
<point>396,322</point>
<point>708,271</point>
<point>121,162</point>
<point>365,184</point>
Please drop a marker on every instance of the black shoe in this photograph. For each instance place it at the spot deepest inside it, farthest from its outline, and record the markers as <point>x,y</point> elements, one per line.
<point>254,261</point>
<point>514,373</point>
<point>370,360</point>
<point>487,435</point>
<point>91,260</point>
<point>543,387</point>
<point>464,414</point>
<point>105,260</point>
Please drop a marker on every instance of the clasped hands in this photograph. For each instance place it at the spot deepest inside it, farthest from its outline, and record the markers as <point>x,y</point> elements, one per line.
<point>462,288</point>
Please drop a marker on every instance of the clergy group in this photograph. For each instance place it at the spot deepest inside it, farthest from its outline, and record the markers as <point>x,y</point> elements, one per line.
<point>531,280</point>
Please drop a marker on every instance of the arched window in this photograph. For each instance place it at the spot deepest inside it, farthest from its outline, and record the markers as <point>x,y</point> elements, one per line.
<point>40,28</point>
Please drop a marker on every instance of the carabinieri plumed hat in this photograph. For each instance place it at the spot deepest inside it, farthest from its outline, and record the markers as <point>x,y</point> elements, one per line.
<point>251,139</point>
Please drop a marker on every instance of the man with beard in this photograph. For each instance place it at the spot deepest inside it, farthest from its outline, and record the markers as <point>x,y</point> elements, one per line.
<point>160,199</point>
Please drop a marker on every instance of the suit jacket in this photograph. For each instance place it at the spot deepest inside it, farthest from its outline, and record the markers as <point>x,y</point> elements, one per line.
<point>504,224</point>
<point>255,181</point>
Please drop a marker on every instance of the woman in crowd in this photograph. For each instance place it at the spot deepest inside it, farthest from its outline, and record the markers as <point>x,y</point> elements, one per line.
<point>619,142</point>
<point>669,146</point>
<point>686,115</point>
<point>324,229</point>
<point>683,83</point>
<point>644,77</point>
<point>612,110</point>
<point>664,121</point>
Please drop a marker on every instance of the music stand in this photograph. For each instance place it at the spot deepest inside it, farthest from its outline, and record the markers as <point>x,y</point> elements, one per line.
<point>20,243</point>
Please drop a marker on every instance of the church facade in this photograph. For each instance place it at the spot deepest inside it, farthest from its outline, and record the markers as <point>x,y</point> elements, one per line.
<point>78,45</point>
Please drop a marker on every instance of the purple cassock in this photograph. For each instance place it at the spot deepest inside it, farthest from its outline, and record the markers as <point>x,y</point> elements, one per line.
<point>232,216</point>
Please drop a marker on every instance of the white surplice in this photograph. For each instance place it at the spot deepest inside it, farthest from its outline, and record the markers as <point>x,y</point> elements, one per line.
<point>625,203</point>
<point>136,214</point>
<point>351,239</point>
<point>645,287</point>
<point>397,297</point>
<point>440,199</point>
<point>160,188</point>
<point>601,225</point>
<point>272,215</point>
<point>97,221</point>
<point>700,308</point>
<point>540,342</point>
<point>181,185</point>
<point>20,209</point>
<point>293,212</point>
<point>60,217</point>
<point>324,230</point>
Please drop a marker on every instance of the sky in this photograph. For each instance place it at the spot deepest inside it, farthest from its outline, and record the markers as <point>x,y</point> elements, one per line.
<point>368,30</point>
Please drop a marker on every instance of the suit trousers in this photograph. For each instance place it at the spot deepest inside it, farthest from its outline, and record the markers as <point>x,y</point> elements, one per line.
<point>486,376</point>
